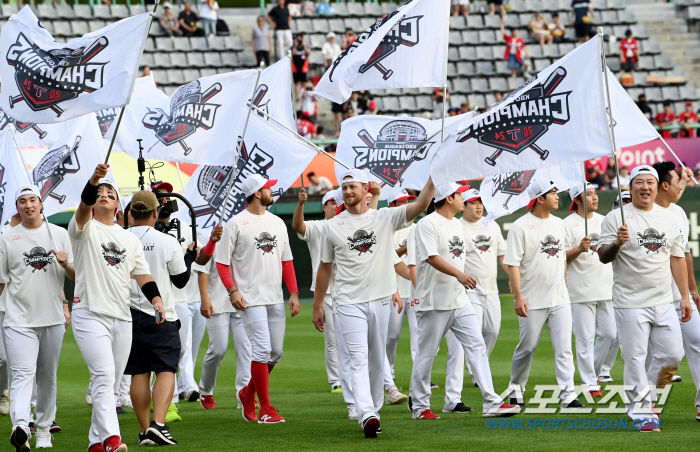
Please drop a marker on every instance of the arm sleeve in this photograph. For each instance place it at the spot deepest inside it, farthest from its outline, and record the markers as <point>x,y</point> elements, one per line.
<point>501,248</point>
<point>224,272</point>
<point>515,248</point>
<point>608,230</point>
<point>289,277</point>
<point>426,243</point>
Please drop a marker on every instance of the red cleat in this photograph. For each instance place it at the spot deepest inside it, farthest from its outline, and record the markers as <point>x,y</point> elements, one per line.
<point>650,425</point>
<point>371,427</point>
<point>426,415</point>
<point>207,402</point>
<point>248,404</point>
<point>96,448</point>
<point>595,394</point>
<point>505,410</point>
<point>269,416</point>
<point>114,444</point>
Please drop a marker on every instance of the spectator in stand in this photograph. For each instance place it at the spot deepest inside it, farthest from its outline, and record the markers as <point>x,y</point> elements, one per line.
<point>262,41</point>
<point>338,116</point>
<point>348,38</point>
<point>363,98</point>
<point>540,29</point>
<point>594,171</point>
<point>460,7</point>
<point>624,179</point>
<point>371,108</point>
<point>308,101</point>
<point>644,107</point>
<point>319,185</point>
<point>208,12</point>
<point>492,7</point>
<point>438,101</point>
<point>515,48</point>
<point>330,50</point>
<point>665,118</point>
<point>145,71</point>
<point>281,21</point>
<point>300,63</point>
<point>582,16</point>
<point>189,22</point>
<point>498,95</point>
<point>320,133</point>
<point>686,118</point>
<point>464,108</point>
<point>697,175</point>
<point>629,52</point>
<point>610,174</point>
<point>453,111</point>
<point>169,22</point>
<point>556,28</point>
<point>305,127</point>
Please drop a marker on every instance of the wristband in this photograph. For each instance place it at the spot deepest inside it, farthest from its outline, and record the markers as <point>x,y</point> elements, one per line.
<point>209,248</point>
<point>89,195</point>
<point>65,301</point>
<point>234,290</point>
<point>150,290</point>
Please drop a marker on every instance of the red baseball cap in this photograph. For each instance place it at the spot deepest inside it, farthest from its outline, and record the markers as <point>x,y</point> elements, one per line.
<point>445,190</point>
<point>401,196</point>
<point>575,191</point>
<point>537,188</point>
<point>167,186</point>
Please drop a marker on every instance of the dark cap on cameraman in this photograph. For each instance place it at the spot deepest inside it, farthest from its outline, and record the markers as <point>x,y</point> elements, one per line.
<point>144,201</point>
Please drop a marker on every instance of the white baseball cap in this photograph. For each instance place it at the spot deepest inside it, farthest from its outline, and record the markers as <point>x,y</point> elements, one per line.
<point>445,190</point>
<point>575,191</point>
<point>401,196</point>
<point>27,190</point>
<point>109,182</point>
<point>255,182</point>
<point>537,188</point>
<point>625,195</point>
<point>330,35</point>
<point>471,195</point>
<point>354,175</point>
<point>643,169</point>
<point>328,197</point>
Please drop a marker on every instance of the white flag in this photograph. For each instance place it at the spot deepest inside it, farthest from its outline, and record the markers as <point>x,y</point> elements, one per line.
<point>47,82</point>
<point>276,154</point>
<point>503,194</point>
<point>12,176</point>
<point>554,118</point>
<point>406,49</point>
<point>630,125</point>
<point>394,151</point>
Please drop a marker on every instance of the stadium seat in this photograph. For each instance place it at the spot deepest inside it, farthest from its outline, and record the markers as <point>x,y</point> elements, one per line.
<point>470,37</point>
<point>498,84</point>
<point>663,62</point>
<point>475,22</point>
<point>453,54</point>
<point>63,12</point>
<point>367,22</point>
<point>514,83</point>
<point>373,9</point>
<point>175,77</point>
<point>119,11</point>
<point>316,41</point>
<point>320,25</point>
<point>465,69</point>
<point>646,63</point>
<point>247,60</point>
<point>95,25</point>
<point>455,38</point>
<point>195,59</point>
<point>302,24</point>
<point>407,103</point>
<point>101,11</point>
<point>467,53</point>
<point>181,43</point>
<point>79,27</point>
<point>451,70</point>
<point>477,100</point>
<point>492,21</point>
<point>388,7</point>
<point>46,11</point>
<point>354,24</point>
<point>198,43</point>
<point>487,37</point>
<point>550,6</point>
<point>190,75</point>
<point>615,4</point>
<point>207,72</point>
<point>609,17</point>
<point>164,44</point>
<point>161,60</point>
<point>336,25</point>
<point>651,46</point>
<point>461,85</point>
<point>502,68</point>
<point>179,59</point>
<point>627,17</point>
<point>483,53</point>
<point>480,85</point>
<point>551,50</point>
<point>147,60</point>
<point>340,9</point>
<point>652,93</point>
<point>136,9</point>
<point>316,59</point>
<point>216,43</point>
<point>614,64</point>
<point>156,29</point>
<point>457,23</point>
<point>671,94</point>
<point>688,92</point>
<point>230,59</point>
<point>535,50</point>
<point>457,99</point>
<point>61,28</point>
<point>356,9</point>
<point>639,31</point>
<point>82,11</point>
<point>212,59</point>
<point>533,6</point>
<point>390,103</point>
<point>424,103</point>
<point>149,45</point>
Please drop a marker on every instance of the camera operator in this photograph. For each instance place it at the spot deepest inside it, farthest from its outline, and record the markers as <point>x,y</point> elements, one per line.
<point>155,346</point>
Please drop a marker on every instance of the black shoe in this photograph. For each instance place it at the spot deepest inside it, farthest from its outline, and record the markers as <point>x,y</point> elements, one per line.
<point>145,440</point>
<point>514,401</point>
<point>459,408</point>
<point>573,404</point>
<point>433,385</point>
<point>159,435</point>
<point>182,395</point>
<point>20,439</point>
<point>32,427</point>
<point>379,430</point>
<point>370,427</point>
<point>54,428</point>
<point>193,396</point>
<point>476,385</point>
<point>410,405</point>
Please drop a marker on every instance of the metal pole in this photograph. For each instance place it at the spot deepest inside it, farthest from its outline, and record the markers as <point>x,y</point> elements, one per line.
<point>444,83</point>
<point>674,154</point>
<point>444,111</point>
<point>238,148</point>
<point>179,173</point>
<point>294,97</point>
<point>585,201</point>
<point>114,136</point>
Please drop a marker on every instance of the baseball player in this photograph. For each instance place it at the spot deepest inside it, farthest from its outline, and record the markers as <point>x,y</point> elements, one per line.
<point>649,244</point>
<point>359,242</point>
<point>443,304</point>
<point>34,324</point>
<point>155,345</point>
<point>536,267</point>
<point>254,252</point>
<point>106,257</point>
<point>589,283</point>
<point>669,193</point>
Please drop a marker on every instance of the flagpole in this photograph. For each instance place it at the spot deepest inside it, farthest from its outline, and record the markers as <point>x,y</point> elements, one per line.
<point>611,128</point>
<point>238,147</point>
<point>585,200</point>
<point>294,97</point>
<point>31,181</point>
<point>444,83</point>
<point>179,173</point>
<point>676,156</point>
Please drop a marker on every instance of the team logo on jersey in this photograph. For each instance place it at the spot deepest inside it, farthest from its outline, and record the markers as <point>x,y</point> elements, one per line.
<point>189,111</point>
<point>362,241</point>
<point>512,184</point>
<point>550,246</point>
<point>266,242</point>
<point>651,240</point>
<point>38,258</point>
<point>594,241</point>
<point>404,33</point>
<point>21,127</point>
<point>482,243</point>
<point>105,118</point>
<point>398,144</point>
<point>113,255</point>
<point>456,247</point>
<point>47,78</point>
<point>53,168</point>
<point>516,127</point>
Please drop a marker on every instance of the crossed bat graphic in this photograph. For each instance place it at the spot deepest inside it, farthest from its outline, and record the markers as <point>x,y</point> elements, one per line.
<point>55,177</point>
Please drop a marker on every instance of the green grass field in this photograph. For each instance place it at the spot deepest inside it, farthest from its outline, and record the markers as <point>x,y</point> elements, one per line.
<point>317,419</point>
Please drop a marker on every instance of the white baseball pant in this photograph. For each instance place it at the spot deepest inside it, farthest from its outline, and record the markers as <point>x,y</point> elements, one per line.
<point>454,379</point>
<point>4,365</point>
<point>558,320</point>
<point>610,357</point>
<point>34,355</point>
<point>432,326</point>
<point>284,42</point>
<point>394,333</point>
<point>488,310</point>
<point>197,325</point>
<point>183,314</point>
<point>344,367</point>
<point>595,332</point>
<point>331,345</point>
<point>639,329</point>
<point>124,390</point>
<point>265,327</point>
<point>105,343</point>
<point>363,328</point>
<point>219,326</point>
<point>412,328</point>
<point>388,378</point>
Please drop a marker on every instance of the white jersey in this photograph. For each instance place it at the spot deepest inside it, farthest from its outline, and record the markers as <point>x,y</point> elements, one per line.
<point>536,245</point>
<point>189,293</point>
<point>164,256</point>
<point>34,287</point>
<point>401,239</point>
<point>218,295</point>
<point>587,278</point>
<point>684,227</point>
<point>483,246</point>
<point>642,272</point>
<point>438,236</point>
<point>255,247</point>
<point>313,236</point>
<point>361,248</point>
<point>106,257</point>
<point>411,253</point>
<point>3,295</point>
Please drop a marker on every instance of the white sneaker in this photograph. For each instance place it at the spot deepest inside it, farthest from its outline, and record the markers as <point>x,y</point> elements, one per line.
<point>43,439</point>
<point>88,397</point>
<point>126,402</point>
<point>676,379</point>
<point>394,397</point>
<point>4,404</point>
<point>352,413</point>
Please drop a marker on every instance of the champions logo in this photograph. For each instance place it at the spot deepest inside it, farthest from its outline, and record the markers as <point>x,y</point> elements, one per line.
<point>22,127</point>
<point>38,258</point>
<point>362,241</point>
<point>398,144</point>
<point>512,184</point>
<point>189,111</point>
<point>594,241</point>
<point>47,78</point>
<point>550,246</point>
<point>456,247</point>
<point>266,242</point>
<point>106,117</point>
<point>517,126</point>
<point>113,255</point>
<point>482,243</point>
<point>53,168</point>
<point>651,240</point>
